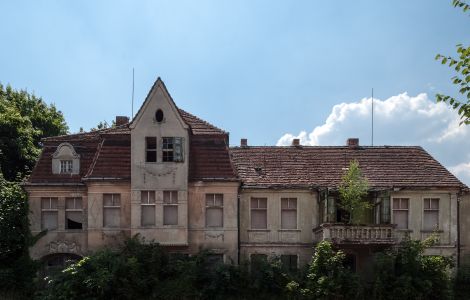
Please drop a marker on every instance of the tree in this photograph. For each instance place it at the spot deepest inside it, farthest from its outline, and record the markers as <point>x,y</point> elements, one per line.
<point>461,65</point>
<point>406,273</point>
<point>17,270</point>
<point>24,120</point>
<point>328,278</point>
<point>353,190</point>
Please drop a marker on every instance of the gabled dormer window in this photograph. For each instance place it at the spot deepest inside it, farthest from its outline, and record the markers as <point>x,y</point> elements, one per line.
<point>172,149</point>
<point>65,160</point>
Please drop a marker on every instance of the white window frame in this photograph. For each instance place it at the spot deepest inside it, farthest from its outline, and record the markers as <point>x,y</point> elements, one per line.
<point>66,166</point>
<point>176,149</point>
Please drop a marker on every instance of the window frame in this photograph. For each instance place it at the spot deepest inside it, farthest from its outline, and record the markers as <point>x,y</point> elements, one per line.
<point>150,150</point>
<point>108,207</point>
<point>431,210</point>
<point>171,203</point>
<point>148,203</point>
<point>214,206</point>
<point>66,166</point>
<point>258,208</point>
<point>289,267</point>
<point>74,210</point>
<point>50,209</point>
<point>407,209</point>
<point>176,149</point>
<point>289,199</point>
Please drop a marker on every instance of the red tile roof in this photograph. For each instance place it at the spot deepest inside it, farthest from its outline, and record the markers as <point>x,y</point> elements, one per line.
<point>198,126</point>
<point>284,167</point>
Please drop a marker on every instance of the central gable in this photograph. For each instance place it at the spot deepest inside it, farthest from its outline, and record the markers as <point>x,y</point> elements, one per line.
<point>158,108</point>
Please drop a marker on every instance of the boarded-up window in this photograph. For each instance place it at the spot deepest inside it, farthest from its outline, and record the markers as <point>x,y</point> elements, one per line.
<point>431,214</point>
<point>259,213</point>
<point>49,213</point>
<point>73,213</point>
<point>172,149</point>
<point>214,210</point>
<point>288,213</point>
<point>111,210</point>
<point>400,212</point>
<point>289,262</point>
<point>170,208</point>
<point>148,208</point>
<point>150,149</point>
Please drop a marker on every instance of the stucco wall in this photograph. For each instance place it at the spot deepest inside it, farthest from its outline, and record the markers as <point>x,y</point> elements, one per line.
<point>60,240</point>
<point>275,241</point>
<point>222,240</point>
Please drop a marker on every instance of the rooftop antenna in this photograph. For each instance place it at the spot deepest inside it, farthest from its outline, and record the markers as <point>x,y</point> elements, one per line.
<point>372,117</point>
<point>132,116</point>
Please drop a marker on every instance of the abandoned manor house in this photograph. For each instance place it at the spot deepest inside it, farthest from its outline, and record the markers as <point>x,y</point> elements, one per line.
<point>171,177</point>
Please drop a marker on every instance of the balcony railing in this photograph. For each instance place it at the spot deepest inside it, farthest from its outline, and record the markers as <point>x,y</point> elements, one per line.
<point>355,234</point>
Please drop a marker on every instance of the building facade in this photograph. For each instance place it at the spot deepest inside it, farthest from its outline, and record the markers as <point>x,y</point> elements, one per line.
<point>172,178</point>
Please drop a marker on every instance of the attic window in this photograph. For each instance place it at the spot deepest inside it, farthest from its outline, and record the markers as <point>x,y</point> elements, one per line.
<point>159,115</point>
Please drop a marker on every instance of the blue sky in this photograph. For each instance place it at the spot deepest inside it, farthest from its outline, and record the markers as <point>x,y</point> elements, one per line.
<point>258,69</point>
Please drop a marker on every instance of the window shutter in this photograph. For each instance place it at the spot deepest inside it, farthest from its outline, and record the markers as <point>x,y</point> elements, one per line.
<point>178,147</point>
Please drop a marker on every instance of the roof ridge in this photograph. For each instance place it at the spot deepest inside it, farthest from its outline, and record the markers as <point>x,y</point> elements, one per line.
<point>85,133</point>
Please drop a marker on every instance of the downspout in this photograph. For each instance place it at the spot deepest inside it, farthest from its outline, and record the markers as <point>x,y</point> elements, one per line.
<point>238,227</point>
<point>458,228</point>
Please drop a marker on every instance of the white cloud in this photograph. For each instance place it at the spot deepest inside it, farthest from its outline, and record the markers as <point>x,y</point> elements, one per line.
<point>398,120</point>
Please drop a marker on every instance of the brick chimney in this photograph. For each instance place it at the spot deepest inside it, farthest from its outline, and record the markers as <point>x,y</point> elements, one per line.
<point>121,120</point>
<point>352,143</point>
<point>296,142</point>
<point>244,143</point>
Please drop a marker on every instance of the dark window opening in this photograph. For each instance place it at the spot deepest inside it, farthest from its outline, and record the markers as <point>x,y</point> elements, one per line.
<point>151,149</point>
<point>289,262</point>
<point>71,224</point>
<point>350,262</point>
<point>159,115</point>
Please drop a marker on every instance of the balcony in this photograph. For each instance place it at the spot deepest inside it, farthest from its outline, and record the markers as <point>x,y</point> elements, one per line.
<point>344,234</point>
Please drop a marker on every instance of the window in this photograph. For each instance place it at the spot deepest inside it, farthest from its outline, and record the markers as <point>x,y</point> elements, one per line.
<point>172,149</point>
<point>215,259</point>
<point>259,213</point>
<point>257,261</point>
<point>66,166</point>
<point>289,262</point>
<point>170,208</point>
<point>214,210</point>
<point>73,213</point>
<point>400,212</point>
<point>148,208</point>
<point>288,213</point>
<point>159,115</point>
<point>111,210</point>
<point>150,149</point>
<point>431,214</point>
<point>49,213</point>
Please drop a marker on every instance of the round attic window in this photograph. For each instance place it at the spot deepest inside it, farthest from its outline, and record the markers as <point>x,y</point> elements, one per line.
<point>159,115</point>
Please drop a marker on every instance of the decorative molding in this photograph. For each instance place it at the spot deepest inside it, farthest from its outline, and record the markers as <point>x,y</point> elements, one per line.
<point>64,247</point>
<point>58,152</point>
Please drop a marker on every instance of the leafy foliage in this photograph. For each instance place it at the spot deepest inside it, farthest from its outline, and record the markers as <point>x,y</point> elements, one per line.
<point>17,270</point>
<point>24,120</point>
<point>327,277</point>
<point>461,65</point>
<point>145,271</point>
<point>353,190</point>
<point>406,273</point>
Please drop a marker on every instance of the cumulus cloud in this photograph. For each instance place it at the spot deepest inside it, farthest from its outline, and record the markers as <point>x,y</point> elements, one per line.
<point>398,120</point>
